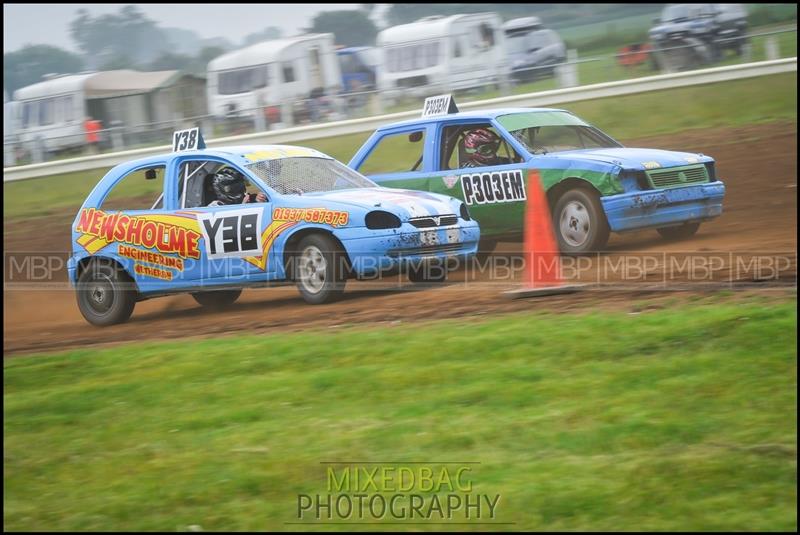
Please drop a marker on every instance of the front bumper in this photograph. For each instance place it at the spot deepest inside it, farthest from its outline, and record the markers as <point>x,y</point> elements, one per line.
<point>663,207</point>
<point>388,252</point>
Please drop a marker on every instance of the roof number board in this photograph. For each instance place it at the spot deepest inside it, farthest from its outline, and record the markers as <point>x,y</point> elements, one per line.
<point>439,105</point>
<point>190,139</point>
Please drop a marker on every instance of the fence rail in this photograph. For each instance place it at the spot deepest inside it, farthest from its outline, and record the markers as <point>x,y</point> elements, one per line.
<point>353,126</point>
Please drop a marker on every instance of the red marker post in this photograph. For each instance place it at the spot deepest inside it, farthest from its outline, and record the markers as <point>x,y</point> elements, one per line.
<point>542,259</point>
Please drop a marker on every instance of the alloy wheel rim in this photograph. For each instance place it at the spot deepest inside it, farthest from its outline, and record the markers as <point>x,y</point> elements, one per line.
<point>312,269</point>
<point>575,223</point>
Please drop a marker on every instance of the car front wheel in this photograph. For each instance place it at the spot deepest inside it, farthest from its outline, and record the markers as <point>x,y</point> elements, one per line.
<point>106,294</point>
<point>580,223</point>
<point>320,269</point>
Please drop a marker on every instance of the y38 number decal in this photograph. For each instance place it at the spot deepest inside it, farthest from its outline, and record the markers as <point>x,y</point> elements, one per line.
<point>232,233</point>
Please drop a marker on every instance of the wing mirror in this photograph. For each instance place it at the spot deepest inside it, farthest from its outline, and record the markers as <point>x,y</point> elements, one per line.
<point>415,137</point>
<point>150,174</point>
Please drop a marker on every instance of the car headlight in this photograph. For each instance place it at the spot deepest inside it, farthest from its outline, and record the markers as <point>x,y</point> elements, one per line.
<point>378,219</point>
<point>464,211</point>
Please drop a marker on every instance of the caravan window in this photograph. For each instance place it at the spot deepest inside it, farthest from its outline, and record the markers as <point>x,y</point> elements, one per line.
<point>432,57</point>
<point>288,73</point>
<point>457,47</point>
<point>69,115</point>
<point>412,57</point>
<point>46,111</point>
<point>28,114</point>
<point>243,80</point>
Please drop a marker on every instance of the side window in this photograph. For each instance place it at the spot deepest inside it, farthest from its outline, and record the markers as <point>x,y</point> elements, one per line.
<point>194,177</point>
<point>138,190</point>
<point>395,153</point>
<point>199,176</point>
<point>455,154</point>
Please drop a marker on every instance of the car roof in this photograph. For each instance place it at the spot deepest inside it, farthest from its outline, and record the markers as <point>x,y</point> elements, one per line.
<point>235,154</point>
<point>486,115</point>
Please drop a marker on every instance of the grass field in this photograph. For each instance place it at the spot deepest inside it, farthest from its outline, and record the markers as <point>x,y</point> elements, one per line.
<point>675,419</point>
<point>661,112</point>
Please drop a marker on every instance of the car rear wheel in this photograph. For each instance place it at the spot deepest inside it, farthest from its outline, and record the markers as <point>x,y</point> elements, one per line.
<point>106,294</point>
<point>579,222</point>
<point>680,232</point>
<point>217,298</point>
<point>320,269</point>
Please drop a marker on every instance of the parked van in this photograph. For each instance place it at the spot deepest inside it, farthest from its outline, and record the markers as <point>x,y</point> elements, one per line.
<point>52,112</point>
<point>272,72</point>
<point>358,68</point>
<point>532,49</point>
<point>442,54</point>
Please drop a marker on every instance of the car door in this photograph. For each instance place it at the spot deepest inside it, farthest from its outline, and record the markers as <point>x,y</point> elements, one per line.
<point>233,242</point>
<point>494,193</point>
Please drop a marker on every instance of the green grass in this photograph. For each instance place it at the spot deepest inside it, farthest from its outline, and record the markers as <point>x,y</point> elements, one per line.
<point>715,105</point>
<point>678,419</point>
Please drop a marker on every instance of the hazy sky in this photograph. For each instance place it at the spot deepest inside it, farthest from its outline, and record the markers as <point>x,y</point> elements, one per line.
<point>49,23</point>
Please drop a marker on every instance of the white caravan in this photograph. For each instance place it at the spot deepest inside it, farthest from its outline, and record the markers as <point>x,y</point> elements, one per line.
<point>271,73</point>
<point>52,112</point>
<point>442,54</point>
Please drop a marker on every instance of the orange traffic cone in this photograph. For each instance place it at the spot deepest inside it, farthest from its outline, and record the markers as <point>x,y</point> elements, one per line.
<point>542,264</point>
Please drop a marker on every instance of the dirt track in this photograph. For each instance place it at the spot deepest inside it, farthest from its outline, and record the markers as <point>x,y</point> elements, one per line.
<point>757,230</point>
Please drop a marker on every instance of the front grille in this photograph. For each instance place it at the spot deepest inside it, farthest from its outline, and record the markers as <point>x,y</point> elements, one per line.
<point>678,176</point>
<point>427,250</point>
<point>434,221</point>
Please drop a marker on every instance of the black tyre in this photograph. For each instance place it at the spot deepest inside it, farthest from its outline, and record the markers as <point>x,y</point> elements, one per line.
<point>579,222</point>
<point>320,269</point>
<point>106,294</point>
<point>432,272</point>
<point>217,298</point>
<point>677,233</point>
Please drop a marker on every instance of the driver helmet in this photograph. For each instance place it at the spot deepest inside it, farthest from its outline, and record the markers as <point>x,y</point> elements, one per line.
<point>229,187</point>
<point>481,145</point>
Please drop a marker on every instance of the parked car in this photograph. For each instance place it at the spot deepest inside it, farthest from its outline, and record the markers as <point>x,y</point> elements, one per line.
<point>594,185</point>
<point>305,218</point>
<point>532,49</point>
<point>696,34</point>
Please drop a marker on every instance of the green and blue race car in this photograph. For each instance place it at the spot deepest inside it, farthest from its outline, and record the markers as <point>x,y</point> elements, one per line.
<point>594,185</point>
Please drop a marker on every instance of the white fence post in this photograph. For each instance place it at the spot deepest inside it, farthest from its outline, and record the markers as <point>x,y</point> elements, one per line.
<point>771,48</point>
<point>9,154</point>
<point>260,121</point>
<point>37,150</point>
<point>286,114</point>
<point>568,73</point>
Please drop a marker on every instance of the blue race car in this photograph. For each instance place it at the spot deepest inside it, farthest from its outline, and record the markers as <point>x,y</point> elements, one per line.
<point>304,217</point>
<point>594,185</point>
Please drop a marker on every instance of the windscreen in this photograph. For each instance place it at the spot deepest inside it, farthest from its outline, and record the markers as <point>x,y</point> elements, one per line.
<point>554,131</point>
<point>296,176</point>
